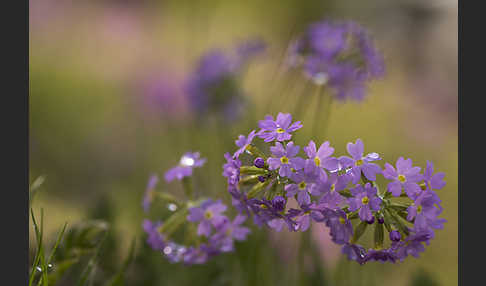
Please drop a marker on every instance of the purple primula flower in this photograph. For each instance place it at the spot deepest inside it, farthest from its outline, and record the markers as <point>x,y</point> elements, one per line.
<point>425,213</point>
<point>229,231</point>
<point>186,164</point>
<point>320,160</point>
<point>413,244</point>
<point>278,129</point>
<point>155,239</point>
<point>354,252</point>
<point>382,255</point>
<point>302,186</point>
<point>279,203</point>
<point>149,192</point>
<point>331,198</point>
<point>243,142</point>
<point>433,181</point>
<point>359,163</point>
<point>365,200</point>
<point>405,176</point>
<point>208,214</point>
<point>231,170</point>
<point>327,39</point>
<point>340,226</point>
<point>285,159</point>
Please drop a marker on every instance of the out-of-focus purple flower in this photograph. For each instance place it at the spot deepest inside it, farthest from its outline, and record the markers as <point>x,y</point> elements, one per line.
<point>405,176</point>
<point>243,142</point>
<point>155,239</point>
<point>339,54</point>
<point>425,213</point>
<point>279,129</point>
<point>320,159</point>
<point>231,170</point>
<point>186,164</point>
<point>229,231</point>
<point>359,163</point>
<point>365,200</point>
<point>302,186</point>
<point>208,214</point>
<point>340,226</point>
<point>149,192</point>
<point>285,159</point>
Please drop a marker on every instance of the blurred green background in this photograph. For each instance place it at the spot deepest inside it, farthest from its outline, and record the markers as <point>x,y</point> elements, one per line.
<point>96,141</point>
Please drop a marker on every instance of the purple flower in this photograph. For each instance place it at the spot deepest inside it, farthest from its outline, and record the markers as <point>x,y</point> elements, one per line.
<point>231,170</point>
<point>155,238</point>
<point>360,163</point>
<point>395,235</point>
<point>320,159</point>
<point>425,213</point>
<point>186,164</point>
<point>229,231</point>
<point>326,39</point>
<point>243,142</point>
<point>149,192</point>
<point>285,159</point>
<point>405,176</point>
<point>303,184</point>
<point>382,256</point>
<point>354,252</point>
<point>433,181</point>
<point>364,200</point>
<point>209,213</point>
<point>278,129</point>
<point>340,226</point>
<point>279,203</point>
<point>331,198</point>
<point>413,244</point>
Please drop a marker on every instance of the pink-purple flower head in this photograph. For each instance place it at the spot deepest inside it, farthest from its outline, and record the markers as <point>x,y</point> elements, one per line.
<point>404,176</point>
<point>320,159</point>
<point>208,214</point>
<point>243,142</point>
<point>285,159</point>
<point>359,163</point>
<point>279,129</point>
<point>186,164</point>
<point>149,192</point>
<point>365,200</point>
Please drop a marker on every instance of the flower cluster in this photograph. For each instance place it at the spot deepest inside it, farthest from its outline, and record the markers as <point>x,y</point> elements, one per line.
<point>206,230</point>
<point>340,192</point>
<point>213,86</point>
<point>340,55</point>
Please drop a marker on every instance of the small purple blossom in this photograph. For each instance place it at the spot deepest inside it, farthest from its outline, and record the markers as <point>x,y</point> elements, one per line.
<point>279,203</point>
<point>320,159</point>
<point>382,255</point>
<point>229,231</point>
<point>302,186</point>
<point>279,129</point>
<point>243,142</point>
<point>425,213</point>
<point>259,162</point>
<point>365,200</point>
<point>186,164</point>
<point>340,226</point>
<point>155,239</point>
<point>405,176</point>
<point>285,159</point>
<point>231,170</point>
<point>208,214</point>
<point>359,163</point>
<point>395,235</point>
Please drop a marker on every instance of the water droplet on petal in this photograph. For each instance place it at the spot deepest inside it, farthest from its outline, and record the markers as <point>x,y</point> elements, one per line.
<point>172,207</point>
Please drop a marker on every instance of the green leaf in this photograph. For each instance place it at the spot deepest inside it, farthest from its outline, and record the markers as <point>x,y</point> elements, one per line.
<point>359,231</point>
<point>118,278</point>
<point>379,235</point>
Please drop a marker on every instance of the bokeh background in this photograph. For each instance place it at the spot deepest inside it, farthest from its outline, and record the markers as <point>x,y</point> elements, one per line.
<point>96,133</point>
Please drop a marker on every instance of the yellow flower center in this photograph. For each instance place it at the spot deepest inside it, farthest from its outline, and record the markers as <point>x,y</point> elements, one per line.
<point>423,186</point>
<point>419,209</point>
<point>317,161</point>
<point>302,185</point>
<point>280,130</point>
<point>263,206</point>
<point>359,162</point>
<point>342,220</point>
<point>284,160</point>
<point>208,214</point>
<point>365,200</point>
<point>401,178</point>
<point>333,187</point>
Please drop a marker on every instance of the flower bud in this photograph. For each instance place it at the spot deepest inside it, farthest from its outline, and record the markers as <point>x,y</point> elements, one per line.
<point>279,203</point>
<point>259,162</point>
